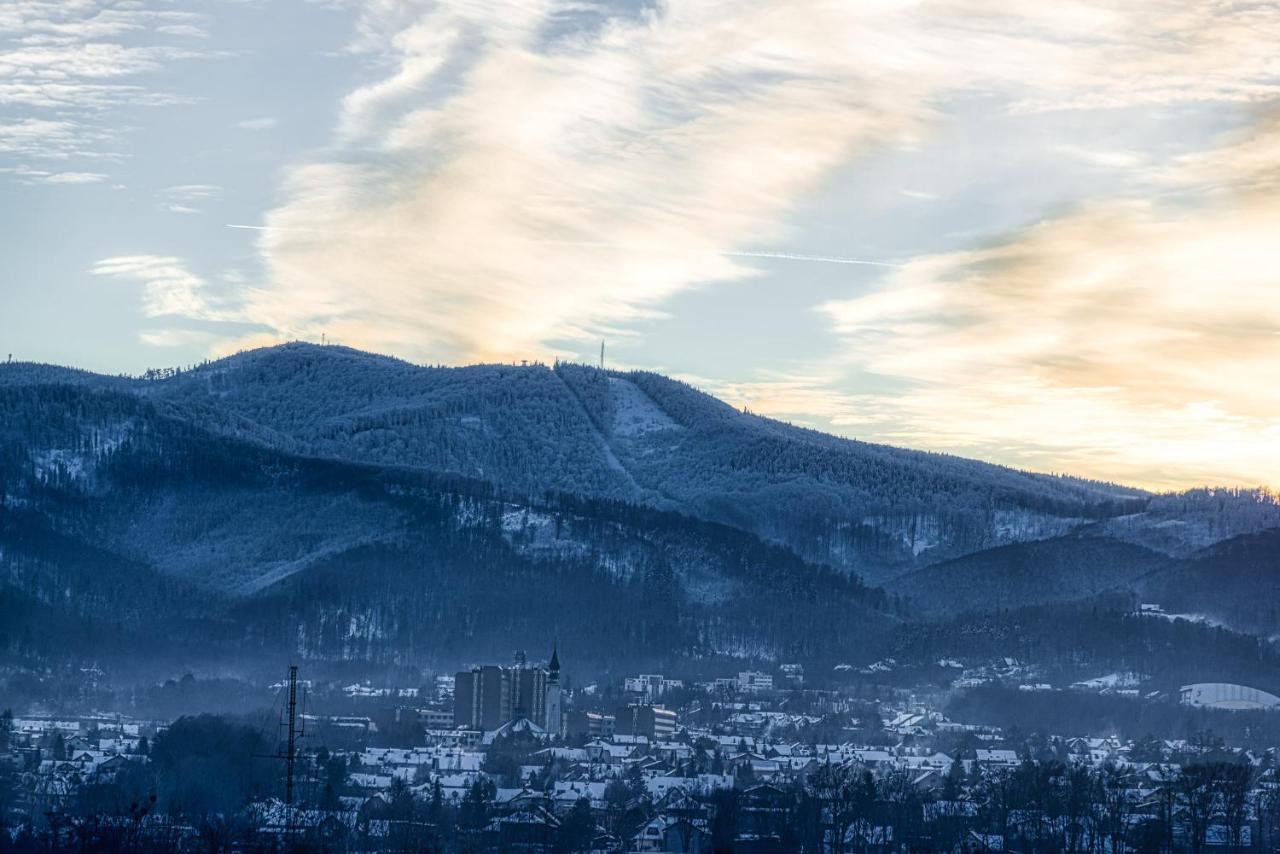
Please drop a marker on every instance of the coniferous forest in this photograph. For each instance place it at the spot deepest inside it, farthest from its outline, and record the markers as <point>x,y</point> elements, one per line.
<point>345,507</point>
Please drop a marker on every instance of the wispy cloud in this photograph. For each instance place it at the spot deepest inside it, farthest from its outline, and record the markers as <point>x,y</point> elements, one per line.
<point>28,175</point>
<point>65,66</point>
<point>73,178</point>
<point>508,176</point>
<point>504,165</point>
<point>186,198</point>
<point>169,287</point>
<point>177,338</point>
<point>189,192</point>
<point>1129,338</point>
<point>499,142</point>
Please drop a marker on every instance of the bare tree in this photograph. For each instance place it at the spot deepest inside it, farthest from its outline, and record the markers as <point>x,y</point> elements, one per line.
<point>1114,803</point>
<point>1198,789</point>
<point>1269,818</point>
<point>904,800</point>
<point>1237,780</point>
<point>846,796</point>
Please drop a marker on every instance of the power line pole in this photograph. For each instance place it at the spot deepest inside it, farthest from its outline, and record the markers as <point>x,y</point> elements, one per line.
<point>602,355</point>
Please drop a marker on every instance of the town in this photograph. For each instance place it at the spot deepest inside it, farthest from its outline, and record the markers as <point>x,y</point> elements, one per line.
<point>518,757</point>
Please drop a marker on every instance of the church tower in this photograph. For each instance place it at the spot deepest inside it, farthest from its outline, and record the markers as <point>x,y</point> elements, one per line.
<point>555,712</point>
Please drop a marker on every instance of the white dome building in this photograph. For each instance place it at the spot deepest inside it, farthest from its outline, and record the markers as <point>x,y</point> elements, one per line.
<point>1228,697</point>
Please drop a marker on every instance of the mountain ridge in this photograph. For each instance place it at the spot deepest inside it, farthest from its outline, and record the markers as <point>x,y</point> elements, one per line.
<point>345,506</point>
<point>866,508</point>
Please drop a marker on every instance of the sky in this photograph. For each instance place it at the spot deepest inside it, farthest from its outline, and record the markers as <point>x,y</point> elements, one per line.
<point>1041,234</point>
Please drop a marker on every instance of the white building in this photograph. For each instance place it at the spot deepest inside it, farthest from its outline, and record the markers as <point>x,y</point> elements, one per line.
<point>651,685</point>
<point>750,681</point>
<point>1228,697</point>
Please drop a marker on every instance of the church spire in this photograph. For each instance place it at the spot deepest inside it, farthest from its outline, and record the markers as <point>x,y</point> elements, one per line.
<point>554,707</point>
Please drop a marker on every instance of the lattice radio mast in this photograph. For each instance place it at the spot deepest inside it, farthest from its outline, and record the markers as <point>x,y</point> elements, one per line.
<point>291,744</point>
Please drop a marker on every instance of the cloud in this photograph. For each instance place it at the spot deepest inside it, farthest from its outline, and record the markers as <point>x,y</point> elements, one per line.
<point>1129,338</point>
<point>66,66</point>
<point>177,338</point>
<point>30,136</point>
<point>263,123</point>
<point>184,198</point>
<point>169,288</point>
<point>86,60</point>
<point>28,175</point>
<point>53,139</point>
<point>477,178</point>
<point>193,191</point>
<point>73,178</point>
<point>502,179</point>
<point>187,30</point>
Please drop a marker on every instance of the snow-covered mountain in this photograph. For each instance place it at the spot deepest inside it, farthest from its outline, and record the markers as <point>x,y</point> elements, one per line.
<point>349,505</point>
<point>126,530</point>
<point>637,437</point>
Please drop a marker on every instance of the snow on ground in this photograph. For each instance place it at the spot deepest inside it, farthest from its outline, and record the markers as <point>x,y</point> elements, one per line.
<point>917,532</point>
<point>1018,526</point>
<point>77,463</point>
<point>635,413</point>
<point>1190,618</point>
<point>1111,680</point>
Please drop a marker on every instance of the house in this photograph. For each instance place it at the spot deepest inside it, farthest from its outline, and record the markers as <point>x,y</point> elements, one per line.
<point>758,765</point>
<point>998,758</point>
<point>527,829</point>
<point>568,792</point>
<point>875,759</point>
<point>608,754</point>
<point>664,833</point>
<point>763,811</point>
<point>981,842</point>
<point>566,754</point>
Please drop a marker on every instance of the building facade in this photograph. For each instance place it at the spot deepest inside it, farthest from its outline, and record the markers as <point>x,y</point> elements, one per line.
<point>654,722</point>
<point>488,696</point>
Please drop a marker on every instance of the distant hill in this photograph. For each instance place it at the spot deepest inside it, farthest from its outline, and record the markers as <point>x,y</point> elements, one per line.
<point>1234,583</point>
<point>125,531</point>
<point>341,505</point>
<point>1063,569</point>
<point>1181,524</point>
<point>638,437</point>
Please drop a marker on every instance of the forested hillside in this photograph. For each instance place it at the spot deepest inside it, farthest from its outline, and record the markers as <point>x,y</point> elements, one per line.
<point>637,437</point>
<point>1064,643</point>
<point>124,529</point>
<point>1236,582</point>
<point>344,506</point>
<point>1064,569</point>
<point>1183,523</point>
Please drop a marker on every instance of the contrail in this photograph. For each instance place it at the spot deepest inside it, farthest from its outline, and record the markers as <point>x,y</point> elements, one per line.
<point>277,228</point>
<point>728,253</point>
<point>821,259</point>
